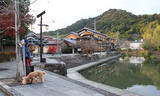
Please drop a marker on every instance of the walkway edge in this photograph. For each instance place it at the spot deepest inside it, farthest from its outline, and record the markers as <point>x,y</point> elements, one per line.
<point>8,90</point>
<point>73,73</point>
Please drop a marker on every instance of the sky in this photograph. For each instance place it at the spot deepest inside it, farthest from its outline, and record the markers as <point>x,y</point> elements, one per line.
<point>62,13</point>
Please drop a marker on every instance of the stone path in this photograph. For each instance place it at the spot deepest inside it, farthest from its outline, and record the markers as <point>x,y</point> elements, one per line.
<point>56,85</point>
<point>1,93</point>
<point>8,69</point>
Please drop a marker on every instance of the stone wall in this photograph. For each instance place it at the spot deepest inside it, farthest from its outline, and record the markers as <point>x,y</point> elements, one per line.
<point>59,68</point>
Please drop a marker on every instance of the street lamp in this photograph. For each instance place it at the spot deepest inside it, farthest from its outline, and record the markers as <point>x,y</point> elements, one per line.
<point>41,49</point>
<point>47,26</point>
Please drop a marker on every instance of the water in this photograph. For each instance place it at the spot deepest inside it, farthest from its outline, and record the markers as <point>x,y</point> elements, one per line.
<point>134,74</point>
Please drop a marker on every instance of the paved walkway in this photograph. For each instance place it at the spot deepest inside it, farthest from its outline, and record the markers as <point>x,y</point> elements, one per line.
<point>8,69</point>
<point>55,85</point>
<point>1,93</point>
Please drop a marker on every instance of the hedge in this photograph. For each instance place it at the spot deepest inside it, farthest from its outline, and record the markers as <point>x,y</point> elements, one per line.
<point>7,56</point>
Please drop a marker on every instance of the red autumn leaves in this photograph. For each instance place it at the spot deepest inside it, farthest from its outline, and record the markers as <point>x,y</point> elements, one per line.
<point>7,22</point>
<point>52,49</point>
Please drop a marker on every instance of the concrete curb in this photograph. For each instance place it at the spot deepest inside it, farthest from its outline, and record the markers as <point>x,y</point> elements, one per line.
<point>8,90</point>
<point>73,73</point>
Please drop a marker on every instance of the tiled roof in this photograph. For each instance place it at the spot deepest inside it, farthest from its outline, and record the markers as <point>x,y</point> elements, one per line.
<point>74,33</point>
<point>85,28</point>
<point>70,41</point>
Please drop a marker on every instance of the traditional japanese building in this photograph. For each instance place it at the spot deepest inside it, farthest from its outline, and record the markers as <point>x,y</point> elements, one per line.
<point>92,40</point>
<point>71,39</point>
<point>72,36</point>
<point>50,44</point>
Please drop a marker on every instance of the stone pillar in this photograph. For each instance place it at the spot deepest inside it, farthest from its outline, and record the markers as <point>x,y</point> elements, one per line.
<point>72,50</point>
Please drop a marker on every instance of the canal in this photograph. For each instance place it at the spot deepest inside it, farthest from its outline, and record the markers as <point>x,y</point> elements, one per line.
<point>134,74</point>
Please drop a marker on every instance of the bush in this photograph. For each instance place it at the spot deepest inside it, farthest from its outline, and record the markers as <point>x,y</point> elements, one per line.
<point>145,46</point>
<point>7,56</point>
<point>144,53</point>
<point>67,50</point>
<point>123,55</point>
<point>153,57</point>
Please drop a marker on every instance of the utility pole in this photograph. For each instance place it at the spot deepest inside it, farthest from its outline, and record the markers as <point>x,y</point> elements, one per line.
<point>57,40</point>
<point>95,25</point>
<point>41,47</point>
<point>17,25</point>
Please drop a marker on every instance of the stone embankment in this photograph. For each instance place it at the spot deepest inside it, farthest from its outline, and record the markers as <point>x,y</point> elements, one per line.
<point>77,60</point>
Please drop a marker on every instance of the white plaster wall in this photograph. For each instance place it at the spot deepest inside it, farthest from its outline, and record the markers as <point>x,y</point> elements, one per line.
<point>135,45</point>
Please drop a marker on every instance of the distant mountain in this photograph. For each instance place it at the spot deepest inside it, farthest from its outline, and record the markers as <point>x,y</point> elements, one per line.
<point>113,21</point>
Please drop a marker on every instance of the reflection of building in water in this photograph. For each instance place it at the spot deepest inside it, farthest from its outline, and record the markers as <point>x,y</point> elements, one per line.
<point>133,60</point>
<point>123,59</point>
<point>137,44</point>
<point>136,60</point>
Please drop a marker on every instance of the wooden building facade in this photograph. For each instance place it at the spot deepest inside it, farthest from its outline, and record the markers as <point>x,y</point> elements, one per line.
<point>89,40</point>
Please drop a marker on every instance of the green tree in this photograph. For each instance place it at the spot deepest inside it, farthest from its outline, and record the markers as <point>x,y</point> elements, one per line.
<point>151,36</point>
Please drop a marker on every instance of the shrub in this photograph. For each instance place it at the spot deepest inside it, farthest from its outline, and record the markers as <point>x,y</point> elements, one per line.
<point>67,50</point>
<point>123,55</point>
<point>153,57</point>
<point>7,56</point>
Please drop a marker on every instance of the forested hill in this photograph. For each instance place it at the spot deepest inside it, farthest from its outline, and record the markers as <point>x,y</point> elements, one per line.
<point>111,22</point>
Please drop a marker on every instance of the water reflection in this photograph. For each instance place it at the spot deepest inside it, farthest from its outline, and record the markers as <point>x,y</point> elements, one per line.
<point>136,60</point>
<point>145,90</point>
<point>128,73</point>
<point>133,60</point>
